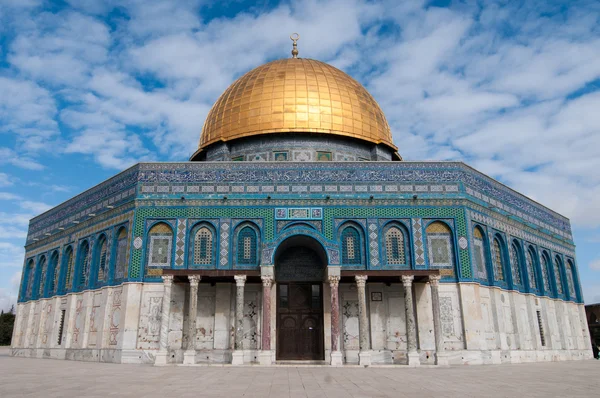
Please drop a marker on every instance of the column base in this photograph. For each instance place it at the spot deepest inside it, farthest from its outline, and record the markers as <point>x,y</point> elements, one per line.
<point>413,359</point>
<point>364,358</point>
<point>161,358</point>
<point>189,357</point>
<point>237,357</point>
<point>265,358</point>
<point>441,359</point>
<point>337,358</point>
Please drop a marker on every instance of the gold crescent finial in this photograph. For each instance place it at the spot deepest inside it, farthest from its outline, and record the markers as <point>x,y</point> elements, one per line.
<point>295,37</point>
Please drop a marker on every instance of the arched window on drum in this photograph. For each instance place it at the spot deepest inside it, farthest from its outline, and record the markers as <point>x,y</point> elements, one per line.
<point>160,248</point>
<point>558,275</point>
<point>29,276</point>
<point>43,274</point>
<point>515,263</point>
<point>545,265</point>
<point>247,246</point>
<point>479,256</point>
<point>54,274</point>
<point>531,268</point>
<point>396,246</point>
<point>440,245</point>
<point>69,264</point>
<point>352,253</point>
<point>571,280</point>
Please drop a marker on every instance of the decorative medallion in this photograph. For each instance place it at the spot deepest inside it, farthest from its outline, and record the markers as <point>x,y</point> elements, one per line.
<point>137,243</point>
<point>462,242</point>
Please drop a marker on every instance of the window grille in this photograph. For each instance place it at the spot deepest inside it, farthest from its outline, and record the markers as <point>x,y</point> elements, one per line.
<point>203,246</point>
<point>545,273</point>
<point>43,273</point>
<point>570,280</point>
<point>515,264</point>
<point>246,250</point>
<point>498,260</point>
<point>439,244</point>
<point>102,271</point>
<point>479,254</point>
<point>559,286</point>
<point>69,262</point>
<point>351,247</point>
<point>531,274</point>
<point>121,260</point>
<point>394,244</point>
<point>84,264</point>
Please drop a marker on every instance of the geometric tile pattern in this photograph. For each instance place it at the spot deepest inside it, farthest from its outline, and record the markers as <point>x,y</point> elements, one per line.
<point>373,243</point>
<point>225,233</point>
<point>180,241</point>
<point>419,252</point>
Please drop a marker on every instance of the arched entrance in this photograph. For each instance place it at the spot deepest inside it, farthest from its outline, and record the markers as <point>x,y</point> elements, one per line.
<point>300,263</point>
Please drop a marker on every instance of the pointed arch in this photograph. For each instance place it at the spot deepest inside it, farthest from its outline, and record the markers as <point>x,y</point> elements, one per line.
<point>560,290</point>
<point>101,260</point>
<point>545,266</point>
<point>440,245</point>
<point>68,263</point>
<point>246,246</point>
<point>479,253</point>
<point>516,265</point>
<point>160,246</point>
<point>396,245</point>
<point>202,247</point>
<point>352,242</point>
<point>121,247</point>
<point>530,263</point>
<point>571,279</point>
<point>43,267</point>
<point>498,258</point>
<point>29,277</point>
<point>54,273</point>
<point>83,265</point>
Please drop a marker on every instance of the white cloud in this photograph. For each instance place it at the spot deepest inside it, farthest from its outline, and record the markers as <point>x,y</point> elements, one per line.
<point>8,156</point>
<point>5,180</point>
<point>36,207</point>
<point>9,196</point>
<point>595,264</point>
<point>8,296</point>
<point>11,255</point>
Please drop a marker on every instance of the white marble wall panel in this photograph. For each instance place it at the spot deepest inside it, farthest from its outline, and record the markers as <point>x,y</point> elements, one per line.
<point>150,316</point>
<point>205,319</point>
<point>396,318</point>
<point>222,333</point>
<point>451,317</point>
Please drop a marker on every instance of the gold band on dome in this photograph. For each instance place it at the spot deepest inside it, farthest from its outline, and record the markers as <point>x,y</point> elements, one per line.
<point>296,95</point>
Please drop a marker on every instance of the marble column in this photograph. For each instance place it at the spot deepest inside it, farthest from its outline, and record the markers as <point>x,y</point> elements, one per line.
<point>441,357</point>
<point>163,350</point>
<point>189,356</point>
<point>411,327</point>
<point>238,353</point>
<point>336,354</point>
<point>265,354</point>
<point>364,356</point>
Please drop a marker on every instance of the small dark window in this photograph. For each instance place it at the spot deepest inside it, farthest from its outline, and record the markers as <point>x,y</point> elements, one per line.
<point>542,337</point>
<point>316,297</point>
<point>61,327</point>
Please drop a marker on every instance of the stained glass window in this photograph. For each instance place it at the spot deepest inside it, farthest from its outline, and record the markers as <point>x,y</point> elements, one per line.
<point>570,280</point>
<point>69,263</point>
<point>43,274</point>
<point>515,264</point>
<point>498,260</point>
<point>161,241</point>
<point>439,244</point>
<point>246,248</point>
<point>394,246</point>
<point>545,273</point>
<point>557,275</point>
<point>531,274</point>
<point>54,274</point>
<point>351,246</point>
<point>102,253</point>
<point>30,278</point>
<point>479,254</point>
<point>203,246</point>
<point>84,264</point>
<point>121,255</point>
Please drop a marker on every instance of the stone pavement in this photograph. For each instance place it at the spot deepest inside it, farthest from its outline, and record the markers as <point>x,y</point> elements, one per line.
<point>53,378</point>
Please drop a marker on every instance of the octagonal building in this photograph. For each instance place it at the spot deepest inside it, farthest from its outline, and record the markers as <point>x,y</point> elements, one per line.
<point>296,232</point>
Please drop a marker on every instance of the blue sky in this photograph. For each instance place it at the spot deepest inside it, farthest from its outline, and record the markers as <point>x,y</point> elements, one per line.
<point>89,87</point>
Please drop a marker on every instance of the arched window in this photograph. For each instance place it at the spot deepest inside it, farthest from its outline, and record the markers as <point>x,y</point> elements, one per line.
<point>498,259</point>
<point>439,244</point>
<point>479,254</point>
<point>53,279</point>
<point>203,246</point>
<point>30,275</point>
<point>160,247</point>
<point>351,246</point>
<point>83,265</point>
<point>515,263</point>
<point>247,247</point>
<point>68,261</point>
<point>395,246</point>
<point>531,273</point>
<point>102,259</point>
<point>546,272</point>
<point>571,280</point>
<point>121,256</point>
<point>557,275</point>
<point>43,274</point>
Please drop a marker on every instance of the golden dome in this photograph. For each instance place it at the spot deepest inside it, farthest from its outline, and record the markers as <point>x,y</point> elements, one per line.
<point>296,95</point>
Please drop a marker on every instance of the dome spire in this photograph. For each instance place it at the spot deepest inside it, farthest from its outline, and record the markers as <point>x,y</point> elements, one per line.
<point>295,37</point>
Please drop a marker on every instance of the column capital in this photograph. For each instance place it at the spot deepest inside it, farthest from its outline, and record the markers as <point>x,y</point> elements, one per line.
<point>194,279</point>
<point>167,279</point>
<point>267,280</point>
<point>407,280</point>
<point>334,280</point>
<point>361,280</point>
<point>240,280</point>
<point>434,280</point>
